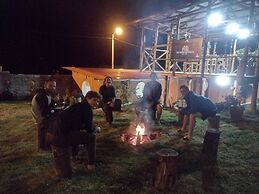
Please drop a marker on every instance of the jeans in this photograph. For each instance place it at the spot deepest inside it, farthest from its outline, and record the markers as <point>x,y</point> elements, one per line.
<point>107,109</point>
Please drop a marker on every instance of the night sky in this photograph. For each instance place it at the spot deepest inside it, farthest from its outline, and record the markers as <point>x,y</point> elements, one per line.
<point>40,36</point>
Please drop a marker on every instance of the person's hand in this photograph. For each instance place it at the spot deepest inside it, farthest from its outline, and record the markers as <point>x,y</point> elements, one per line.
<point>97,129</point>
<point>111,104</point>
<point>149,105</point>
<point>91,167</point>
<point>56,98</point>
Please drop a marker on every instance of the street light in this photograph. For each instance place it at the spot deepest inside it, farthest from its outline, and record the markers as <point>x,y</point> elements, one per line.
<point>117,31</point>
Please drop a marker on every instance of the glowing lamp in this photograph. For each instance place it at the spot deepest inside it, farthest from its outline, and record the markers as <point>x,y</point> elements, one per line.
<point>215,19</point>
<point>118,31</point>
<point>232,28</point>
<point>243,33</point>
<point>223,80</point>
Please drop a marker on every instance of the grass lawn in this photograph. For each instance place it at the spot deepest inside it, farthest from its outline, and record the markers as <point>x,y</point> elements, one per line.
<point>127,169</point>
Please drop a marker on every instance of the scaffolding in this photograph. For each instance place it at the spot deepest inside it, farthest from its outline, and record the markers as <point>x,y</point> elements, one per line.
<point>190,21</point>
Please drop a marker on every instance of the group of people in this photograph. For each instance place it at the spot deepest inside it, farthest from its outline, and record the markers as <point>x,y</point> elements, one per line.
<point>74,125</point>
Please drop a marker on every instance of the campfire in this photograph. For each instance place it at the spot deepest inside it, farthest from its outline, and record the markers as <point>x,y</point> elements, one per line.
<point>139,134</point>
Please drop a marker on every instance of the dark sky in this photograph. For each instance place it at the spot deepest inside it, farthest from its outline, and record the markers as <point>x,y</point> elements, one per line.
<point>40,36</point>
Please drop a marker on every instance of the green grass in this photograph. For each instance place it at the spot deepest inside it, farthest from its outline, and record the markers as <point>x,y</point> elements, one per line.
<point>127,169</point>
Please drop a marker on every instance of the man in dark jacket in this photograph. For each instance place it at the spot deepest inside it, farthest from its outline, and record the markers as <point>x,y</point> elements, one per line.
<point>108,98</point>
<point>42,108</point>
<point>151,96</point>
<point>74,126</point>
<point>196,106</point>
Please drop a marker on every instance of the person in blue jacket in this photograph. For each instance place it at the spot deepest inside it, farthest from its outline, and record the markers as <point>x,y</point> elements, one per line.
<point>196,106</point>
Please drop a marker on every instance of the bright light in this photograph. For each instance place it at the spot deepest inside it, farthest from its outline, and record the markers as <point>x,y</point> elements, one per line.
<point>243,33</point>
<point>215,19</point>
<point>118,31</point>
<point>223,80</point>
<point>232,28</point>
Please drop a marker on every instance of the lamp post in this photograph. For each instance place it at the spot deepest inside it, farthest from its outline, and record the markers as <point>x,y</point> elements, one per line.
<point>118,31</point>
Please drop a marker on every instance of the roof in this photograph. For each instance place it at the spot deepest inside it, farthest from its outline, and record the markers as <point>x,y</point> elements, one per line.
<point>101,73</point>
<point>193,16</point>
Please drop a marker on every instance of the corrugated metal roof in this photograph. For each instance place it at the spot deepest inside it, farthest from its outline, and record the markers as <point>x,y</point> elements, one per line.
<point>193,18</point>
<point>101,73</point>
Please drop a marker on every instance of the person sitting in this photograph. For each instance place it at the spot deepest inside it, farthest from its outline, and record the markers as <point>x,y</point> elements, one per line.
<point>150,101</point>
<point>43,104</point>
<point>74,126</point>
<point>108,98</point>
<point>196,106</point>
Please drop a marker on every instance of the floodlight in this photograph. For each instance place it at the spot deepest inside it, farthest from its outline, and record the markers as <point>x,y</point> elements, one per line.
<point>243,33</point>
<point>223,80</point>
<point>215,19</point>
<point>232,28</point>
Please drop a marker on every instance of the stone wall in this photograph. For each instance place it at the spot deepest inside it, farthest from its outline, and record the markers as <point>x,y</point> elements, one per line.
<point>23,86</point>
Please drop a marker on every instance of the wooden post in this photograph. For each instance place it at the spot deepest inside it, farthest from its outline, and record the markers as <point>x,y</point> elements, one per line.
<point>243,62</point>
<point>255,84</point>
<point>166,91</point>
<point>210,144</point>
<point>205,46</point>
<point>142,49</point>
<point>166,171</point>
<point>155,49</point>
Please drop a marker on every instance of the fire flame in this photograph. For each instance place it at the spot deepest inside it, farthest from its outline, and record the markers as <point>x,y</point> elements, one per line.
<point>138,137</point>
<point>140,130</point>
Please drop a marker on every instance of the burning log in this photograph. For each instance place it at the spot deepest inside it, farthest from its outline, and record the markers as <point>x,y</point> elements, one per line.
<point>166,171</point>
<point>138,139</point>
<point>139,136</point>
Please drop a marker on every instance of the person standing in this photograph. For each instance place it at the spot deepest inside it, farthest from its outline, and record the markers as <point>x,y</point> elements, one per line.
<point>151,99</point>
<point>42,107</point>
<point>196,106</point>
<point>107,92</point>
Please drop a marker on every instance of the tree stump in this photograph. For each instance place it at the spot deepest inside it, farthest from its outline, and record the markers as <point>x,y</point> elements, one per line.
<point>210,144</point>
<point>62,161</point>
<point>236,113</point>
<point>166,171</point>
<point>214,122</point>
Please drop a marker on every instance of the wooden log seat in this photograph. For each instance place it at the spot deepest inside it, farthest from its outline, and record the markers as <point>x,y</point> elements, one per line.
<point>166,172</point>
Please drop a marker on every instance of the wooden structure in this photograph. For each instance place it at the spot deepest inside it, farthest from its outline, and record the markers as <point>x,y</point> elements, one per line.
<point>166,172</point>
<point>188,20</point>
<point>185,21</point>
